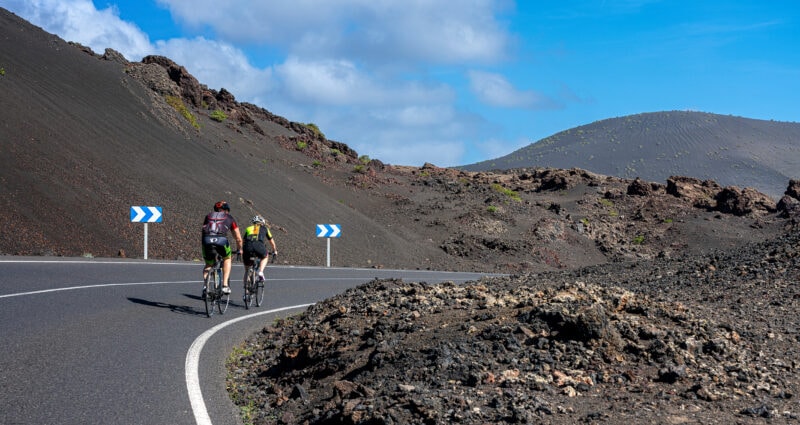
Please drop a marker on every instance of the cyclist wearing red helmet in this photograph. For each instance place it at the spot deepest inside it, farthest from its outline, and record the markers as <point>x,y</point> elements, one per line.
<point>216,226</point>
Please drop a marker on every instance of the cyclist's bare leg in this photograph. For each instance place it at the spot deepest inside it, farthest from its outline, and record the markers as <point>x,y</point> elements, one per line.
<point>226,271</point>
<point>205,272</point>
<point>262,264</point>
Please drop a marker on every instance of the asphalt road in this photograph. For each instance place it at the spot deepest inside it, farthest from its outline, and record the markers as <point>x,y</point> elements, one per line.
<point>92,341</point>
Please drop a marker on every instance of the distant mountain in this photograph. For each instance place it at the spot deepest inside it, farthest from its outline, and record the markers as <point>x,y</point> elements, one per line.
<point>733,151</point>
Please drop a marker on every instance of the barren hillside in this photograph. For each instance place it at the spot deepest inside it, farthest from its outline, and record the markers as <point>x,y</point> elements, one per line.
<point>733,151</point>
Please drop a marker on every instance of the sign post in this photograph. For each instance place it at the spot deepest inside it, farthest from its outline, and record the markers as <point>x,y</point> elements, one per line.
<point>145,215</point>
<point>329,231</point>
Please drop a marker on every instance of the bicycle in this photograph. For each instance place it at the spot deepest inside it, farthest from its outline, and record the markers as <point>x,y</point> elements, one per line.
<point>253,288</point>
<point>213,296</point>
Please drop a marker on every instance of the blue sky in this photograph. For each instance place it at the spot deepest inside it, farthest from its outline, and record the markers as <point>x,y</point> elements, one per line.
<point>453,82</point>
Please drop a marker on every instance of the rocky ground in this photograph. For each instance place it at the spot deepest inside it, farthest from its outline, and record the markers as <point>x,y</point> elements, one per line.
<point>695,339</point>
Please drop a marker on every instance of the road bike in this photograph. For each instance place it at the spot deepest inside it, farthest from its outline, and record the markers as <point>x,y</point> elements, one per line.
<point>253,287</point>
<point>214,298</point>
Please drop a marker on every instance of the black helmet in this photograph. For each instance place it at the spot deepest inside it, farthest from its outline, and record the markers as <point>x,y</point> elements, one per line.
<point>222,205</point>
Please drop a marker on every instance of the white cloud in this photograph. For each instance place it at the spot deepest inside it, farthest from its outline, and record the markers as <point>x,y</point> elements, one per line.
<point>342,83</point>
<point>80,21</point>
<point>219,65</point>
<point>375,31</point>
<point>495,90</point>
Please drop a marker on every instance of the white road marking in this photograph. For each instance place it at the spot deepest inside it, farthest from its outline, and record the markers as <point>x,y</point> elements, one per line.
<point>70,288</point>
<point>193,364</point>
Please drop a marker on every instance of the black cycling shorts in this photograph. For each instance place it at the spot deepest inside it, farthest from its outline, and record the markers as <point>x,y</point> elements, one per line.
<point>215,245</point>
<point>259,249</point>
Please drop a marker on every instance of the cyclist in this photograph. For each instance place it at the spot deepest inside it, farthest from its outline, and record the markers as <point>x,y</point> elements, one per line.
<point>216,226</point>
<point>255,244</point>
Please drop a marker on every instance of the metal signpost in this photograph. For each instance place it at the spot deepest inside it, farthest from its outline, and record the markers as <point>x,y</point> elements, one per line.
<point>329,231</point>
<point>145,215</point>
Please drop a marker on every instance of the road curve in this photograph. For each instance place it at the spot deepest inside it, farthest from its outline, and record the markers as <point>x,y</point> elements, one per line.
<point>93,341</point>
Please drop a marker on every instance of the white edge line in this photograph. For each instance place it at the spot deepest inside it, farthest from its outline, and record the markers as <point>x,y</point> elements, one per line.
<point>70,288</point>
<point>192,366</point>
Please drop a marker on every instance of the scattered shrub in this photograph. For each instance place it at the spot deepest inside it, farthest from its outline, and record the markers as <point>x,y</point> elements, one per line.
<point>301,145</point>
<point>2,72</point>
<point>313,127</point>
<point>359,169</point>
<point>316,164</point>
<point>508,192</point>
<point>364,159</point>
<point>492,209</point>
<point>178,105</point>
<point>218,115</point>
<point>638,240</point>
<point>335,152</point>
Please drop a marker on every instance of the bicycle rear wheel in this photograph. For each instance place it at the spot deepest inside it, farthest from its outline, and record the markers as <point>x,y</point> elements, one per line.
<point>248,288</point>
<point>259,292</point>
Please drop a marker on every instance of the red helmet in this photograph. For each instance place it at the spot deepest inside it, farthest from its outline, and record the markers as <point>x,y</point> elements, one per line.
<point>222,205</point>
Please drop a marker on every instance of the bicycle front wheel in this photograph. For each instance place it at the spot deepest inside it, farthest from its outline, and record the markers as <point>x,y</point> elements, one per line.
<point>209,289</point>
<point>223,299</point>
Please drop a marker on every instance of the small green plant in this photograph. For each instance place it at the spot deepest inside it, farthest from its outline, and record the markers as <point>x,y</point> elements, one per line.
<point>316,164</point>
<point>301,145</point>
<point>507,192</point>
<point>313,127</point>
<point>335,152</point>
<point>359,169</point>
<point>638,240</point>
<point>668,220</point>
<point>2,72</point>
<point>178,105</point>
<point>364,159</point>
<point>585,221</point>
<point>218,115</point>
<point>248,412</point>
<point>492,209</point>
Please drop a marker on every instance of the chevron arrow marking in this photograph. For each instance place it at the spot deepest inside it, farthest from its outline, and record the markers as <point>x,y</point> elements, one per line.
<point>155,216</point>
<point>137,214</point>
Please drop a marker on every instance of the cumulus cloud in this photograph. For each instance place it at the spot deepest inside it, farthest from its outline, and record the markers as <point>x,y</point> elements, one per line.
<point>341,82</point>
<point>218,65</point>
<point>80,21</point>
<point>495,90</point>
<point>385,31</point>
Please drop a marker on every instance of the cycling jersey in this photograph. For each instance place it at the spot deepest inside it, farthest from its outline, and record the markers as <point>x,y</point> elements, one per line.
<point>255,238</point>
<point>215,230</point>
<point>219,223</point>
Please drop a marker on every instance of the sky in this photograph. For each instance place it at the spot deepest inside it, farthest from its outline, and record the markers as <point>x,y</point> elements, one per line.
<point>454,82</point>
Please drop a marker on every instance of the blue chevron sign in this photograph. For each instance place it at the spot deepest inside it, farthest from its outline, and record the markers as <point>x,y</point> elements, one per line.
<point>146,214</point>
<point>329,231</point>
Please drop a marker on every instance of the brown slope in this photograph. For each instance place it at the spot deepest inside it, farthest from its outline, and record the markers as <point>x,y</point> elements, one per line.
<point>83,141</point>
<point>733,151</point>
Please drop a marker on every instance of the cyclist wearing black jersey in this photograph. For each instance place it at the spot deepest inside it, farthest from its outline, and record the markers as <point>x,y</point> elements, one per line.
<point>216,226</point>
<point>255,240</point>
